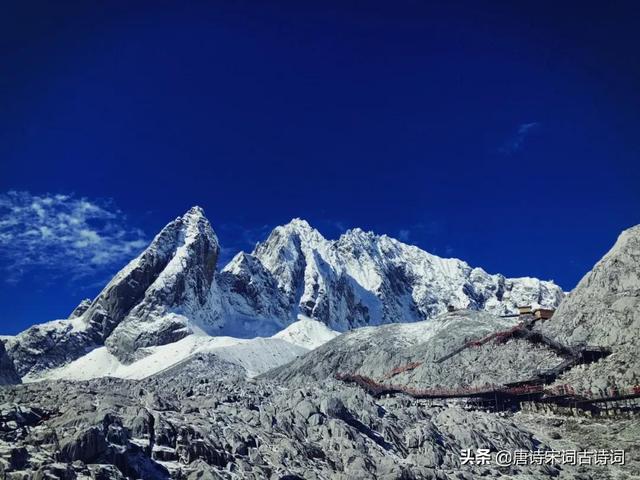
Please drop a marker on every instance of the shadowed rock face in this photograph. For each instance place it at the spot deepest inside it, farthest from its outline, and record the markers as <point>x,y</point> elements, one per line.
<point>250,290</point>
<point>82,307</point>
<point>147,303</point>
<point>47,345</point>
<point>8,374</point>
<point>152,300</point>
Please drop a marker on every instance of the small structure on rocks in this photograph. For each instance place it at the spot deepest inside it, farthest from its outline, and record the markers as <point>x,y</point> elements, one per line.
<point>525,309</point>
<point>543,313</point>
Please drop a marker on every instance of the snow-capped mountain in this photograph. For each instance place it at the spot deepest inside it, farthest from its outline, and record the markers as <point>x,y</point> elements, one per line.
<point>252,356</point>
<point>160,297</point>
<point>173,290</point>
<point>366,279</point>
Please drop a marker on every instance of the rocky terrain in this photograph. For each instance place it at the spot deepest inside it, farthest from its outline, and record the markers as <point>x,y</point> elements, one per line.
<point>8,374</point>
<point>203,419</point>
<point>604,309</point>
<point>193,404</point>
<point>376,352</point>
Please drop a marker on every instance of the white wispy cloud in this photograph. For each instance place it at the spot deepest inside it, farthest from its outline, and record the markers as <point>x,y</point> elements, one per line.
<point>63,234</point>
<point>516,141</point>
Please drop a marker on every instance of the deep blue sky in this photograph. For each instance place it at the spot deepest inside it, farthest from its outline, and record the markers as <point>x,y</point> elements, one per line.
<point>504,135</point>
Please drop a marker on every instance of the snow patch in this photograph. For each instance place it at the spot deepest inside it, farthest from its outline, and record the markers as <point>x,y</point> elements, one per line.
<point>307,333</point>
<point>256,355</point>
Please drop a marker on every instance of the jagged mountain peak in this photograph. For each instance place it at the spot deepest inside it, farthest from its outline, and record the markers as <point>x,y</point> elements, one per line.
<point>242,261</point>
<point>172,289</point>
<point>195,223</point>
<point>298,223</point>
<point>297,228</point>
<point>195,211</point>
<point>154,297</point>
<point>363,278</point>
<point>358,235</point>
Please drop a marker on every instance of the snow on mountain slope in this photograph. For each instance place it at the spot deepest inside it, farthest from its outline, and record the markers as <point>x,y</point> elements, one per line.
<point>100,362</point>
<point>172,290</point>
<point>365,279</point>
<point>260,355</point>
<point>307,333</point>
<point>256,356</point>
<point>153,300</point>
<point>49,345</point>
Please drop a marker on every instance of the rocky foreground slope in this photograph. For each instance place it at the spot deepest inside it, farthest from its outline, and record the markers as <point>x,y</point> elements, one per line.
<point>411,354</point>
<point>204,420</point>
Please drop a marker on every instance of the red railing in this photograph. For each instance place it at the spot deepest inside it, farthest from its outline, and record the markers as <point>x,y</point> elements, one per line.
<point>499,337</point>
<point>403,368</point>
<point>378,388</point>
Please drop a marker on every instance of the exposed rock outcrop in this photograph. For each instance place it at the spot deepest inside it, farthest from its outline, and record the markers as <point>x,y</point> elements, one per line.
<point>8,374</point>
<point>195,426</point>
<point>604,310</point>
<point>410,354</point>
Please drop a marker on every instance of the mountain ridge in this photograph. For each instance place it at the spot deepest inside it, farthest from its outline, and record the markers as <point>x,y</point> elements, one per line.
<point>174,289</point>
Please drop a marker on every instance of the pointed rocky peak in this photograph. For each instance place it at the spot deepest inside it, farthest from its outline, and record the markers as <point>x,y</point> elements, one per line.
<point>238,261</point>
<point>175,271</point>
<point>195,211</point>
<point>289,243</point>
<point>358,235</point>
<point>243,264</point>
<point>301,229</point>
<point>196,227</point>
<point>299,224</point>
<point>604,308</point>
